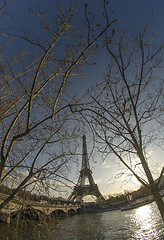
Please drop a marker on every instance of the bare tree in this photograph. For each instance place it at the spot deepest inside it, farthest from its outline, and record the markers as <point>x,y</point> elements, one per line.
<point>127,107</point>
<point>37,123</point>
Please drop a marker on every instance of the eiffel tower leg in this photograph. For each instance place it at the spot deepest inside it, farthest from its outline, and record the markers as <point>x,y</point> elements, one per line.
<point>74,197</point>
<point>99,196</point>
<point>70,197</point>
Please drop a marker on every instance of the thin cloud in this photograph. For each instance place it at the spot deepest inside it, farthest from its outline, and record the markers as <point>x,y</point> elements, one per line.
<point>98,181</point>
<point>105,165</point>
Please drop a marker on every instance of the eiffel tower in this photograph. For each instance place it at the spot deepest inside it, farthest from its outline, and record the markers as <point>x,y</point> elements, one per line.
<point>81,189</point>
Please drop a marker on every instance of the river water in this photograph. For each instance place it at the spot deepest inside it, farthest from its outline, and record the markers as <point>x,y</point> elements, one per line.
<point>140,223</point>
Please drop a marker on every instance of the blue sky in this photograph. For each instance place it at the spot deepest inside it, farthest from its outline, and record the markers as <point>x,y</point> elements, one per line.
<point>131,15</point>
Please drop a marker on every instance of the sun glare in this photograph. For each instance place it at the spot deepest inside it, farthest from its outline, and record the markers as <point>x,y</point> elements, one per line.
<point>144,222</point>
<point>143,214</point>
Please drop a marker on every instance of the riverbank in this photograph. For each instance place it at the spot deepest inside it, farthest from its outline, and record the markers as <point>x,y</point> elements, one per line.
<point>140,223</point>
<point>123,206</point>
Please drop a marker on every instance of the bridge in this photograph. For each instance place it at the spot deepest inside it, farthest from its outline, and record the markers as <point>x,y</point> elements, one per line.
<point>18,205</point>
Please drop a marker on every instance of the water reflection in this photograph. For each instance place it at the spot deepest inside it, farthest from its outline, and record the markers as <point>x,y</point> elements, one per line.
<point>144,223</point>
<point>80,227</point>
<point>145,219</point>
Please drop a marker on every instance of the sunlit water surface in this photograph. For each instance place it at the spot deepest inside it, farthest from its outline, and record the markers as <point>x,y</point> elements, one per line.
<point>141,223</point>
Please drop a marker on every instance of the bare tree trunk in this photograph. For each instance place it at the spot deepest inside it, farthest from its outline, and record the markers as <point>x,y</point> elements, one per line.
<point>159,201</point>
<point>153,187</point>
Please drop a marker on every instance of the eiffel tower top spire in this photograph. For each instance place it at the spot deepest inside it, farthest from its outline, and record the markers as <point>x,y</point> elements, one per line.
<point>85,160</point>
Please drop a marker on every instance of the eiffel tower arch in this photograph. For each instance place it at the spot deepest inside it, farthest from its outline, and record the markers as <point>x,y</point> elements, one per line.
<point>81,189</point>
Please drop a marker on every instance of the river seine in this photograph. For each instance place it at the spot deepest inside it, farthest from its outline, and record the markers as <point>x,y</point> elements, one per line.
<point>140,223</point>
